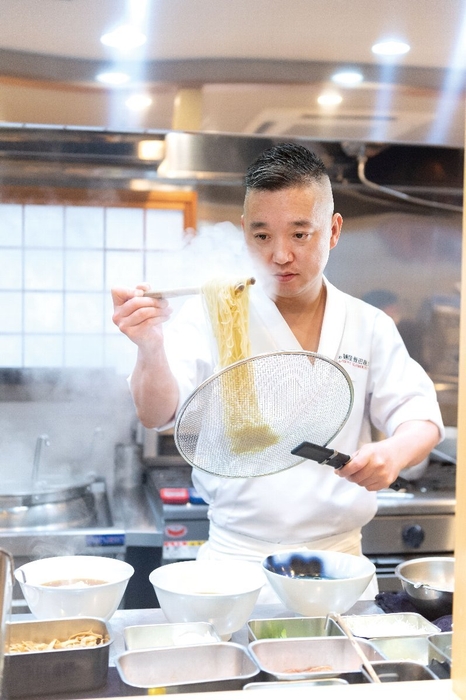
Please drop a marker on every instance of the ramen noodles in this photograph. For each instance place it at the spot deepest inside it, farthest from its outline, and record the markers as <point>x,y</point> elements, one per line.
<point>228,311</point>
<point>75,641</point>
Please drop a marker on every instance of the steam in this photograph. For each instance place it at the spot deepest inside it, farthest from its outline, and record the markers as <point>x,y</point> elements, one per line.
<point>83,413</point>
<point>50,546</point>
<point>218,250</point>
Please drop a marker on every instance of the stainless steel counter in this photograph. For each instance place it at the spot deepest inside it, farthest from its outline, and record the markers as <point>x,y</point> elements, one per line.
<point>121,519</point>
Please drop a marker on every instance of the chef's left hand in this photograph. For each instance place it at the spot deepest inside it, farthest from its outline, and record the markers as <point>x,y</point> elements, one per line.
<point>372,467</point>
<point>376,465</point>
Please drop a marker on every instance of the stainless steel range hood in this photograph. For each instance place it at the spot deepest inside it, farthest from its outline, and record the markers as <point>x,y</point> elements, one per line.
<point>57,156</point>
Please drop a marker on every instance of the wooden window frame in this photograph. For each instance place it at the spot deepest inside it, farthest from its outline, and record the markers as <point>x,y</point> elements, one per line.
<point>179,200</point>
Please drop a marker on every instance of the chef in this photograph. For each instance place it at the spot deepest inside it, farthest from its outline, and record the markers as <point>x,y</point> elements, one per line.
<point>290,227</point>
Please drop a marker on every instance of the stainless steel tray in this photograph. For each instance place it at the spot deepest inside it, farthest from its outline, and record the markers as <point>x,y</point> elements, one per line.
<point>398,671</point>
<point>288,627</point>
<point>58,670</point>
<point>205,667</point>
<point>442,642</point>
<point>291,685</point>
<point>440,653</point>
<point>390,625</point>
<point>292,659</point>
<point>417,649</point>
<point>169,635</point>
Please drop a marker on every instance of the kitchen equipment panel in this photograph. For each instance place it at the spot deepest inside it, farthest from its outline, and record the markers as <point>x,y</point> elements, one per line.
<point>183,513</point>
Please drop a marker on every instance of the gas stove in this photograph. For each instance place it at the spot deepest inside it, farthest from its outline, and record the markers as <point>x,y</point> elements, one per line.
<point>414,522</point>
<point>433,493</point>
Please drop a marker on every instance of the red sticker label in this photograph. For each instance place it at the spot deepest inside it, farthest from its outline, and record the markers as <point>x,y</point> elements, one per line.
<point>176,530</point>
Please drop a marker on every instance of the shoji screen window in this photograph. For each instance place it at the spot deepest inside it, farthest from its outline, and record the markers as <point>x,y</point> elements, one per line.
<point>59,262</point>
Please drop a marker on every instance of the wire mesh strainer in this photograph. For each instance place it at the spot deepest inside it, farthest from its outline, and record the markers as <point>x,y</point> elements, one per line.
<point>245,420</point>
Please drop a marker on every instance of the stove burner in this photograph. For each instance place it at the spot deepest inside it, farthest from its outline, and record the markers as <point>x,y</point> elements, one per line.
<point>439,476</point>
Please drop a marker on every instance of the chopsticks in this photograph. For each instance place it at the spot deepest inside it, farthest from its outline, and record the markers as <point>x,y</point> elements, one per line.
<point>366,663</point>
<point>188,291</point>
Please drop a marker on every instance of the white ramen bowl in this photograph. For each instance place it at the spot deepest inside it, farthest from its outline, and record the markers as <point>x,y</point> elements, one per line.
<point>222,593</point>
<point>92,586</point>
<point>314,583</point>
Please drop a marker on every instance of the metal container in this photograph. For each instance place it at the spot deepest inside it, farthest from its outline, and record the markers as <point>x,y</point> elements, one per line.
<point>299,659</point>
<point>169,635</point>
<point>394,671</point>
<point>417,649</point>
<point>440,653</point>
<point>287,627</point>
<point>429,583</point>
<point>128,465</point>
<point>57,670</point>
<point>51,506</point>
<point>6,594</point>
<point>390,625</point>
<point>205,667</point>
<point>291,685</point>
<point>442,643</point>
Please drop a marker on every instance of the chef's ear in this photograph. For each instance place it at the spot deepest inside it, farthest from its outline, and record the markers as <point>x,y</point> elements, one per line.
<point>242,222</point>
<point>337,223</point>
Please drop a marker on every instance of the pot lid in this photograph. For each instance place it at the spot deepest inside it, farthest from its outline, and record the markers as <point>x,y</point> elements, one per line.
<point>46,490</point>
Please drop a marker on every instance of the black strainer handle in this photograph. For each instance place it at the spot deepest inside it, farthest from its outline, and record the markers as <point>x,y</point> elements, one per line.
<point>335,459</point>
<point>322,455</point>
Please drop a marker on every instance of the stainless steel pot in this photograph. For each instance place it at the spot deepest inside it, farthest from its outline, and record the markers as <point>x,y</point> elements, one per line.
<point>48,505</point>
<point>429,584</point>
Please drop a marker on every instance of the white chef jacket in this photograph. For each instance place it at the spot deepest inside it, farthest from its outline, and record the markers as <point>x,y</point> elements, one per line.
<point>308,502</point>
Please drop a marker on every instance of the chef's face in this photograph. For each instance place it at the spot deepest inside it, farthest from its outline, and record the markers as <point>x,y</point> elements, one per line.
<point>290,233</point>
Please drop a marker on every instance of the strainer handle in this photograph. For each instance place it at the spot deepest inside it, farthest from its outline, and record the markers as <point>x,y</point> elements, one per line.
<point>322,455</point>
<point>335,459</point>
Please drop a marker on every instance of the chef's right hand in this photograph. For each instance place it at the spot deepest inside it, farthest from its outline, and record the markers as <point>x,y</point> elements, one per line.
<point>139,317</point>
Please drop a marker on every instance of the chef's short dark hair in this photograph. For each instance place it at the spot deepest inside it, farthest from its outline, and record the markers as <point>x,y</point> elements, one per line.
<point>285,165</point>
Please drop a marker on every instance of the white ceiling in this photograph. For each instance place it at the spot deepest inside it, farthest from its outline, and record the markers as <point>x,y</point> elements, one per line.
<point>311,30</point>
<point>254,65</point>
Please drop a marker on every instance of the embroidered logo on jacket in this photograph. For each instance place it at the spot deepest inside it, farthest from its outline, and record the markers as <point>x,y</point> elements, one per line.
<point>353,360</point>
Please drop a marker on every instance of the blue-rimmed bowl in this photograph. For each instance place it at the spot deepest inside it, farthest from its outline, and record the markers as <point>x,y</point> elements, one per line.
<point>317,582</point>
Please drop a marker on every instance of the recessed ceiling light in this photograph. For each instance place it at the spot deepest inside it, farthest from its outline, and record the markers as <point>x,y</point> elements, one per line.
<point>138,102</point>
<point>329,99</point>
<point>391,47</point>
<point>113,78</point>
<point>347,78</point>
<point>124,37</point>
